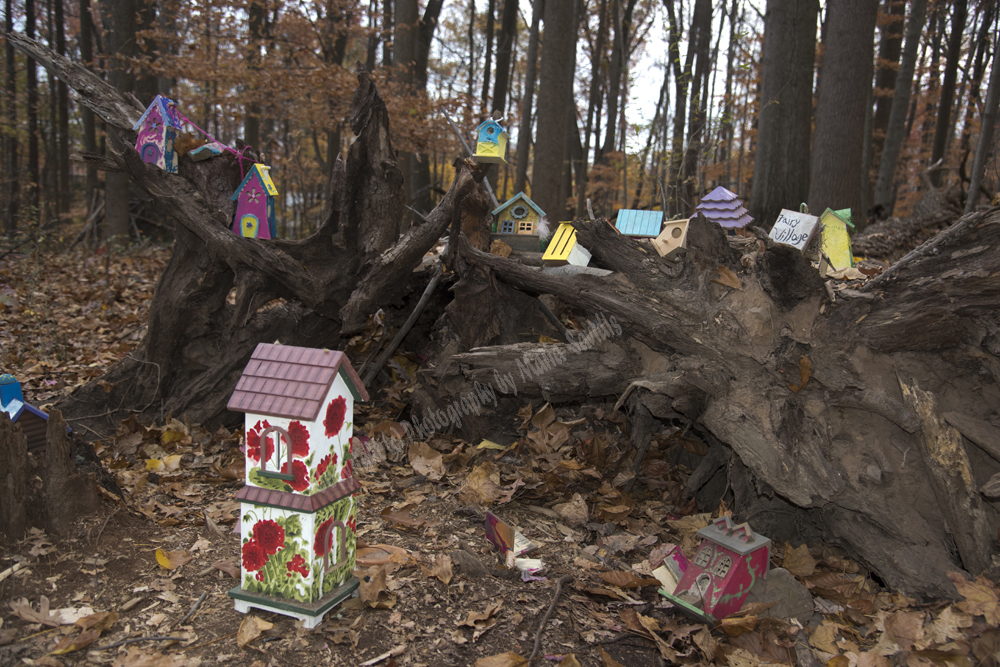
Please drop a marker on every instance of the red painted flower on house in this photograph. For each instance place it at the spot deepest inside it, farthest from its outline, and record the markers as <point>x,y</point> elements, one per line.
<point>335,413</point>
<point>300,439</point>
<point>253,443</point>
<point>298,564</point>
<point>352,523</point>
<point>347,470</point>
<point>269,535</point>
<point>301,481</point>
<point>321,545</point>
<point>326,462</point>
<point>253,556</point>
<point>259,576</point>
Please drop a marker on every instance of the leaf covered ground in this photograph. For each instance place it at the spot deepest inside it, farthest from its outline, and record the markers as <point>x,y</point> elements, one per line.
<point>144,581</point>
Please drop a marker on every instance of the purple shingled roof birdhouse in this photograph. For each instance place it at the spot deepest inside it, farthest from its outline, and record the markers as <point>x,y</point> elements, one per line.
<point>724,207</point>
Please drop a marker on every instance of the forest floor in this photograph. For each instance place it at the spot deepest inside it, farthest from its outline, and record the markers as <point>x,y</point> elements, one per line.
<point>144,582</point>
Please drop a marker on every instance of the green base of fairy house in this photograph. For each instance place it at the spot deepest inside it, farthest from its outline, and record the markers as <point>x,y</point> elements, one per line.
<point>311,613</point>
<point>688,609</point>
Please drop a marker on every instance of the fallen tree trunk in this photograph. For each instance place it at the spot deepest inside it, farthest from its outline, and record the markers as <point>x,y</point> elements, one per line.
<point>809,393</point>
<point>316,292</point>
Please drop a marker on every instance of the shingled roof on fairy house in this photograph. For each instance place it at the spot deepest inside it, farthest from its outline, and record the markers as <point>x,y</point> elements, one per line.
<point>299,506</point>
<point>725,208</point>
<point>33,421</point>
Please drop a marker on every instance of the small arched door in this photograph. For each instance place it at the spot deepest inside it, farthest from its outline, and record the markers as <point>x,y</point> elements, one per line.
<point>150,153</point>
<point>249,226</point>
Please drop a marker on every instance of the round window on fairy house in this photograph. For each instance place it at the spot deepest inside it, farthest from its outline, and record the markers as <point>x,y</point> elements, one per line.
<point>519,211</point>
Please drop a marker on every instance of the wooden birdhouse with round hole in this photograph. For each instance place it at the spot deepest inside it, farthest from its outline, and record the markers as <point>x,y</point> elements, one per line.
<point>157,128</point>
<point>255,204</point>
<point>673,236</point>
<point>491,143</point>
<point>719,578</point>
<point>298,508</point>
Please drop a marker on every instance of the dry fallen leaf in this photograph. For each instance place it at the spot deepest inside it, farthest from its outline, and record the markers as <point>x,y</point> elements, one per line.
<point>626,580</point>
<point>906,628</point>
<point>981,597</point>
<point>728,278</point>
<point>373,589</point>
<point>805,370</point>
<point>736,626</point>
<point>229,567</point>
<point>607,660</point>
<point>574,512</point>
<point>426,461</point>
<point>569,661</point>
<point>251,628</point>
<point>171,560</point>
<point>441,569</point>
<point>798,561</point>
<point>23,609</point>
<point>503,659</point>
<point>482,621</point>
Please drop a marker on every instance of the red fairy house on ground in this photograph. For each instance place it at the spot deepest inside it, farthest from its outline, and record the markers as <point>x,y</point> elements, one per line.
<point>157,128</point>
<point>298,508</point>
<point>255,204</point>
<point>719,578</point>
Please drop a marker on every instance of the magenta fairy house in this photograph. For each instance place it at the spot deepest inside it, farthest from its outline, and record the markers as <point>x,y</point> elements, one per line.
<point>298,508</point>
<point>255,204</point>
<point>719,578</point>
<point>157,128</point>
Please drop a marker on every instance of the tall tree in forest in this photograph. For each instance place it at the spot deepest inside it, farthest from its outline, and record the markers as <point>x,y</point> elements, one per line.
<point>897,115</point>
<point>387,33</point>
<point>119,19</point>
<point>726,124</point>
<point>34,175</point>
<point>784,123</point>
<point>556,79</point>
<point>700,38</point>
<point>621,18</point>
<point>943,129</point>
<point>527,99</point>
<point>490,11</point>
<point>86,41</point>
<point>251,116</point>
<point>65,191</point>
<point>682,79</point>
<point>505,42</point>
<point>13,181</point>
<point>892,18</point>
<point>598,75</point>
<point>986,131</point>
<point>838,142</point>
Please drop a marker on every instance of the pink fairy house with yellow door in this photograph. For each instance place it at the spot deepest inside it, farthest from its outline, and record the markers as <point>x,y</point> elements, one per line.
<point>157,128</point>
<point>254,199</point>
<point>298,510</point>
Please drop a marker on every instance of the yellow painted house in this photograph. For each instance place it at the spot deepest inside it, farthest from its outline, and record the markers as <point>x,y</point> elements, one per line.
<point>564,249</point>
<point>517,215</point>
<point>491,142</point>
<point>836,240</point>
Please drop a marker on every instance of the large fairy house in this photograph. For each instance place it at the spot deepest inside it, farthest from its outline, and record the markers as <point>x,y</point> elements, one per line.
<point>33,422</point>
<point>255,204</point>
<point>517,215</point>
<point>491,142</point>
<point>724,207</point>
<point>639,224</point>
<point>719,578</point>
<point>157,128</point>
<point>836,240</point>
<point>298,508</point>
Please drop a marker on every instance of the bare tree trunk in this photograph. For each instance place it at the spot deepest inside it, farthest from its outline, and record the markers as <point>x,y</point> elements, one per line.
<point>487,61</point>
<point>682,78</point>
<point>120,19</point>
<point>892,21</point>
<point>251,118</point>
<point>65,188</point>
<point>557,69</point>
<point>89,128</point>
<point>527,99</point>
<point>13,181</point>
<point>985,144</point>
<point>944,128</point>
<point>505,42</point>
<point>34,175</point>
<point>701,38</point>
<point>897,115</point>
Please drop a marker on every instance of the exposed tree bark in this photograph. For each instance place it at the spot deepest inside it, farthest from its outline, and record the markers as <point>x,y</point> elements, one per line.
<point>897,116</point>
<point>835,168</point>
<point>505,41</point>
<point>557,69</point>
<point>527,99</point>
<point>34,175</point>
<point>784,124</point>
<point>13,181</point>
<point>944,127</point>
<point>682,78</point>
<point>65,191</point>
<point>487,61</point>
<point>701,39</point>
<point>387,23</point>
<point>251,118</point>
<point>842,455</point>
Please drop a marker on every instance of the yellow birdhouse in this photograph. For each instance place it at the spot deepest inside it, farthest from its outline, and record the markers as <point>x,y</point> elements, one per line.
<point>673,236</point>
<point>564,249</point>
<point>491,143</point>
<point>836,239</point>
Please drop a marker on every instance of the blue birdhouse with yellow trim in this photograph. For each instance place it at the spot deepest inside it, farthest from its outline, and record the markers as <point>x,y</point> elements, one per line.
<point>491,143</point>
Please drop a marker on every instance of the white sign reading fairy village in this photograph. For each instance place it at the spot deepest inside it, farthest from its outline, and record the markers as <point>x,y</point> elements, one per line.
<point>794,229</point>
